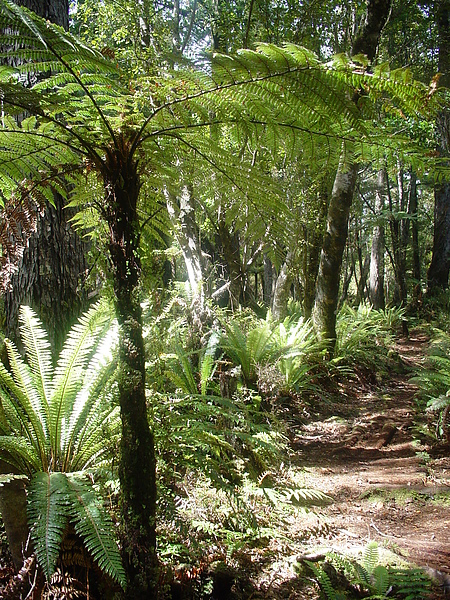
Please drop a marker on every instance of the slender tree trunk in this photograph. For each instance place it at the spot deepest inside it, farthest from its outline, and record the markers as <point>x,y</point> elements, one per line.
<point>232,257</point>
<point>314,238</point>
<point>376,277</point>
<point>413,211</point>
<point>282,290</point>
<point>182,214</point>
<point>137,462</point>
<point>327,286</point>
<point>268,281</point>
<point>438,272</point>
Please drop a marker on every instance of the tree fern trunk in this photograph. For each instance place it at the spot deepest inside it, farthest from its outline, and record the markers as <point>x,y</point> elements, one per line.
<point>137,463</point>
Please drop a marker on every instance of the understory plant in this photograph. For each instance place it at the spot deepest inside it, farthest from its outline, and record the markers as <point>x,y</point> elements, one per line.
<point>434,383</point>
<point>342,578</point>
<point>364,335</point>
<point>59,426</point>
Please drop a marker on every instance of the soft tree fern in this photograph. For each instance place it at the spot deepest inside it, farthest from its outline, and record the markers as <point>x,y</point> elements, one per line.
<point>57,425</point>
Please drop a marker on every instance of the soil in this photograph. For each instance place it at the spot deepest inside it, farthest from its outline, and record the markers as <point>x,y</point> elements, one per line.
<point>389,481</point>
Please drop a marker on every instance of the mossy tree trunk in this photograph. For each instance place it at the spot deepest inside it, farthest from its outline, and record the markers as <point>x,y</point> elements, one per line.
<point>137,464</point>
<point>328,278</point>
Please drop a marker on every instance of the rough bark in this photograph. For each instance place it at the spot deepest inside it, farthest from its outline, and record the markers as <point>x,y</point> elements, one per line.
<point>13,508</point>
<point>137,463</point>
<point>376,276</point>
<point>327,285</point>
<point>438,271</point>
<point>52,268</point>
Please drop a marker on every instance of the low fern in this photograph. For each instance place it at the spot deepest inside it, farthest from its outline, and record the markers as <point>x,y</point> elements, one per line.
<point>434,383</point>
<point>340,577</point>
<point>57,424</point>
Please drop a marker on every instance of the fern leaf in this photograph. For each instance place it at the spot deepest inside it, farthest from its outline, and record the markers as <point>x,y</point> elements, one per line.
<point>71,367</point>
<point>37,348</point>
<point>47,515</point>
<point>93,525</point>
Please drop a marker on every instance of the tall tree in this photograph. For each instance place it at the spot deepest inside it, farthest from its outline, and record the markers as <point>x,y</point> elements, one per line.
<point>52,267</point>
<point>438,272</point>
<point>328,279</point>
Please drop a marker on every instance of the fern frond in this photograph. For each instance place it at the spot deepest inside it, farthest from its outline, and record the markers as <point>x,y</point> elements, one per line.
<point>48,497</point>
<point>69,373</point>
<point>93,525</point>
<point>29,407</point>
<point>37,348</point>
<point>18,452</point>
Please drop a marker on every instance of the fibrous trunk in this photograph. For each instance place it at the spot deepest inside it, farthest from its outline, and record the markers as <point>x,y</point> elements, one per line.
<point>137,466</point>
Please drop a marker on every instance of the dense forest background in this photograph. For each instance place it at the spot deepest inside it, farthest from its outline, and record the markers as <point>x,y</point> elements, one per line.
<point>247,201</point>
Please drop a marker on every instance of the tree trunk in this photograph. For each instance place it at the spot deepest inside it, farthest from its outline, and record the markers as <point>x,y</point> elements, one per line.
<point>52,269</point>
<point>376,277</point>
<point>13,508</point>
<point>267,281</point>
<point>413,210</point>
<point>232,257</point>
<point>438,272</point>
<point>137,462</point>
<point>314,238</point>
<point>282,289</point>
<point>182,214</point>
<point>327,286</point>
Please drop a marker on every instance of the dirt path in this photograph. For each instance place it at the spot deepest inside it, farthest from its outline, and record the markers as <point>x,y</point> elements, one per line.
<point>389,483</point>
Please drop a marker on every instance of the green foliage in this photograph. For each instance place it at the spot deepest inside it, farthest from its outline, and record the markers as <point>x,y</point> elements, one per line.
<point>249,344</point>
<point>434,382</point>
<point>364,335</point>
<point>56,424</point>
<point>340,577</point>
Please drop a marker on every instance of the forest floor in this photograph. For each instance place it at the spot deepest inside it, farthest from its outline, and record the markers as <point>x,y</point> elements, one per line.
<point>388,481</point>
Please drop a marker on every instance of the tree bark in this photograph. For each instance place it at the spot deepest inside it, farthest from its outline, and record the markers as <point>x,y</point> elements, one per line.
<point>137,461</point>
<point>413,210</point>
<point>52,269</point>
<point>438,271</point>
<point>376,277</point>
<point>282,289</point>
<point>327,285</point>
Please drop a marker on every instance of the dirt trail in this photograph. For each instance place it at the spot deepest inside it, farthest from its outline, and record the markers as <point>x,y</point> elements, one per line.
<point>389,482</point>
